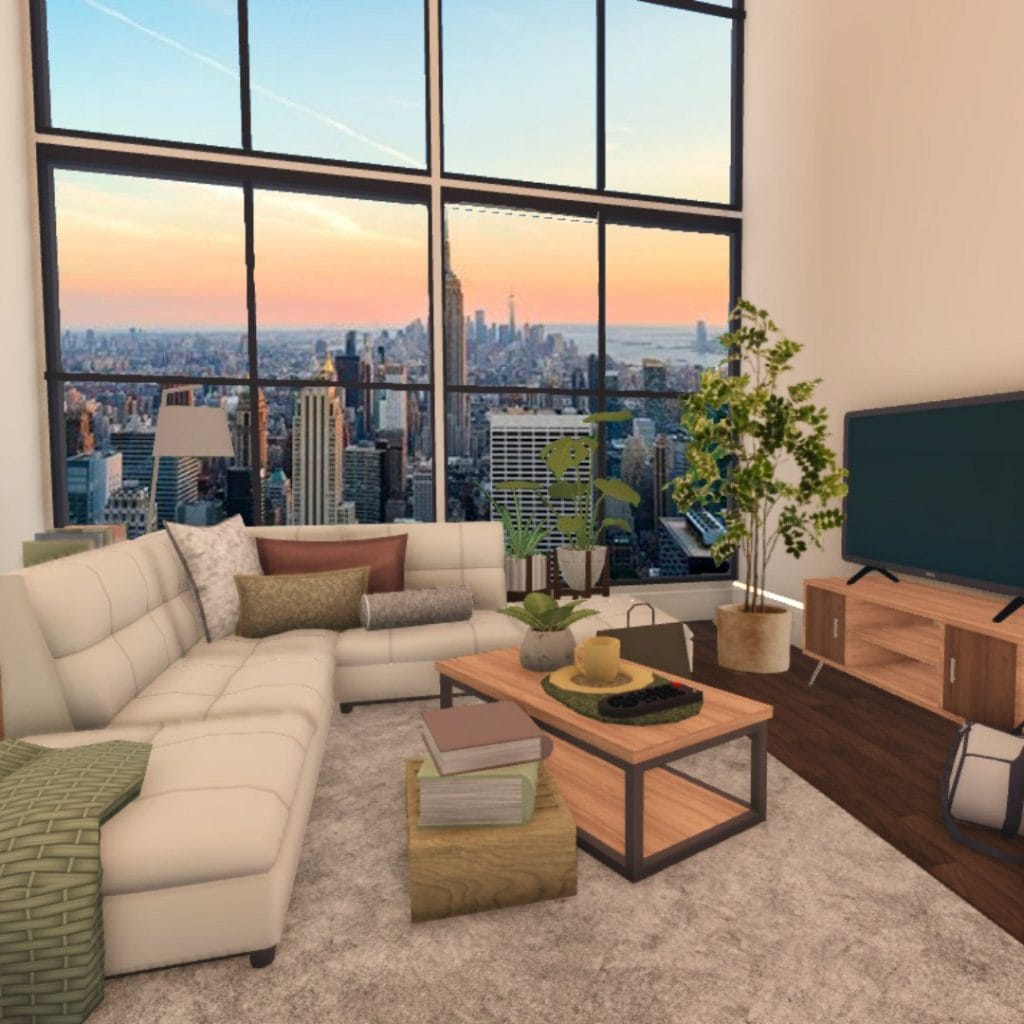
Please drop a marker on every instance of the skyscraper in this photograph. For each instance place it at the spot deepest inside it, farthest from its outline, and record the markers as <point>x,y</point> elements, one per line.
<point>593,380</point>
<point>278,493</point>
<point>655,374</point>
<point>177,481</point>
<point>317,446</point>
<point>701,334</point>
<point>516,439</point>
<point>512,315</point>
<point>457,418</point>
<point>365,480</point>
<point>661,474</point>
<point>242,432</point>
<point>92,478</point>
<point>480,331</point>
<point>423,492</point>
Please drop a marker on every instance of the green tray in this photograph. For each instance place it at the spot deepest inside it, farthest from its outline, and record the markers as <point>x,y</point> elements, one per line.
<point>586,704</point>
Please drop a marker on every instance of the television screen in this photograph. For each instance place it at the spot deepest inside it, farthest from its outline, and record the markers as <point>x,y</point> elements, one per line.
<point>938,490</point>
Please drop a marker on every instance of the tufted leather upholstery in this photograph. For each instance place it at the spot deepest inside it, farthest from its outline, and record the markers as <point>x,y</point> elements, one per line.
<point>83,638</point>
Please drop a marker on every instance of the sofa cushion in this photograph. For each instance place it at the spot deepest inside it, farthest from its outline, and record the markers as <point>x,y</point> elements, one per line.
<point>290,672</point>
<point>415,607</point>
<point>269,605</point>
<point>485,630</point>
<point>213,556</point>
<point>384,555</point>
<point>236,777</point>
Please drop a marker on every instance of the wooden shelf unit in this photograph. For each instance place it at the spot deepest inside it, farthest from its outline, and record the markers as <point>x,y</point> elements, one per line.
<point>934,647</point>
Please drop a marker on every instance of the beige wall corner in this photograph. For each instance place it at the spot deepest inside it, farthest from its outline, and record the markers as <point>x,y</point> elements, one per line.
<point>24,458</point>
<point>883,221</point>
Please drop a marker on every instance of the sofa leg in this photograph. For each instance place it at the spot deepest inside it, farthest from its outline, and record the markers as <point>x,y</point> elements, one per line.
<point>263,957</point>
<point>346,709</point>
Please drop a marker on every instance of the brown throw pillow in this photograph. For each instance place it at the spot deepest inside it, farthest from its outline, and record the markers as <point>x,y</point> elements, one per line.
<point>316,600</point>
<point>384,555</point>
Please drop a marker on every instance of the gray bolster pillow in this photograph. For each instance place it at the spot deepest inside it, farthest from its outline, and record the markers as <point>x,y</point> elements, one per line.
<point>394,609</point>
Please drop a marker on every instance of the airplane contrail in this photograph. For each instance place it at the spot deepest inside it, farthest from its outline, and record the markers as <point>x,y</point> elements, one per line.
<point>224,69</point>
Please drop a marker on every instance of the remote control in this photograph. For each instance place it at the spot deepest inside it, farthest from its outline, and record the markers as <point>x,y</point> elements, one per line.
<point>649,701</point>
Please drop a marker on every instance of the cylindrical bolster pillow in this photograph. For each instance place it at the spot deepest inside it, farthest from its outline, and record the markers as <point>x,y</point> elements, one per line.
<point>416,607</point>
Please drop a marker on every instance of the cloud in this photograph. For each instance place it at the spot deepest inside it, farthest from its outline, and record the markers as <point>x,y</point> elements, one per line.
<point>322,214</point>
<point>230,72</point>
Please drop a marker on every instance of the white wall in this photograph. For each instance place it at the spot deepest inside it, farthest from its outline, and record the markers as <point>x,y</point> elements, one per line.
<point>884,202</point>
<point>23,502</point>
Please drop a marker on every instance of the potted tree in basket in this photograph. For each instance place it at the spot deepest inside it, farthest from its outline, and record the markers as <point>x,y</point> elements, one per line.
<point>759,449</point>
<point>572,462</point>
<point>525,566</point>
<point>548,644</point>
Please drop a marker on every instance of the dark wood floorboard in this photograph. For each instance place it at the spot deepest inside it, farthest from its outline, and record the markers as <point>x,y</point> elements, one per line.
<point>881,759</point>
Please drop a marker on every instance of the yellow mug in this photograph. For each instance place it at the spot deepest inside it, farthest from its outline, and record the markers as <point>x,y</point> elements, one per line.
<point>598,658</point>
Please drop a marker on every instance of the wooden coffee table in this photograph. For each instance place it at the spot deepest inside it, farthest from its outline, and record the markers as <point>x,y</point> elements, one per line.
<point>634,811</point>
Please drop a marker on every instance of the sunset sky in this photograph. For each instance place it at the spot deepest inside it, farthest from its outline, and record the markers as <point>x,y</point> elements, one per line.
<point>166,254</point>
<point>346,81</point>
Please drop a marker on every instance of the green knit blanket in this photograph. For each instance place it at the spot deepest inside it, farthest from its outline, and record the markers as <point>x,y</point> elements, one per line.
<point>52,803</point>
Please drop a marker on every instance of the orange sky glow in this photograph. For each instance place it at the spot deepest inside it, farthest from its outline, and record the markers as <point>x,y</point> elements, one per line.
<point>165,254</point>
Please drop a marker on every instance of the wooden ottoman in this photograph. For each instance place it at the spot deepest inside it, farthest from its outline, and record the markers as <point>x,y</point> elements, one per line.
<point>462,870</point>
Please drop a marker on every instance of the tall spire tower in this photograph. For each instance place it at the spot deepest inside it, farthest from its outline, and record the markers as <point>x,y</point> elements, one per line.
<point>512,314</point>
<point>457,417</point>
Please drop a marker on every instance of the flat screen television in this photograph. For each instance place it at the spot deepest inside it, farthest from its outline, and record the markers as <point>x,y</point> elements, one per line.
<point>937,490</point>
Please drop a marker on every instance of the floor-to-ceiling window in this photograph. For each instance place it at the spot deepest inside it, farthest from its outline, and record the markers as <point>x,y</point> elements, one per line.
<point>402,244</point>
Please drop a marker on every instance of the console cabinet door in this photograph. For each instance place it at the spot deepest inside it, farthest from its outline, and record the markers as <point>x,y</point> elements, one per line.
<point>824,624</point>
<point>980,677</point>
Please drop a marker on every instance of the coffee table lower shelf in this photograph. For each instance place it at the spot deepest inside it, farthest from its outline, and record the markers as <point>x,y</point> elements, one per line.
<point>640,818</point>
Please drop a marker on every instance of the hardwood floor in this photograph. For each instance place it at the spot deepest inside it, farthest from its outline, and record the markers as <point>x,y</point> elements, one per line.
<point>881,759</point>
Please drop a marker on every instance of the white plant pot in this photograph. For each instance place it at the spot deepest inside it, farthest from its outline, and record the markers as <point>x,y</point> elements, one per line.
<point>516,576</point>
<point>573,566</point>
<point>544,652</point>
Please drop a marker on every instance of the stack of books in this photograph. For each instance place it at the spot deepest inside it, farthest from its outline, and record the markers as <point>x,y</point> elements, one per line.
<point>481,765</point>
<point>70,540</point>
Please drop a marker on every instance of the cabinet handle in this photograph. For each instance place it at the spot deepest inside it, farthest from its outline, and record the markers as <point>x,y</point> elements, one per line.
<point>952,671</point>
<point>835,629</point>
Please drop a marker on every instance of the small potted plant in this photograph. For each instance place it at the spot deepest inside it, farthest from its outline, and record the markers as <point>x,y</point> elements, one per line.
<point>572,462</point>
<point>548,644</point>
<point>525,566</point>
<point>760,449</point>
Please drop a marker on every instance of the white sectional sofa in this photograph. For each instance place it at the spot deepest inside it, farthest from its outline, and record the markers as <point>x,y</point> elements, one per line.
<point>108,645</point>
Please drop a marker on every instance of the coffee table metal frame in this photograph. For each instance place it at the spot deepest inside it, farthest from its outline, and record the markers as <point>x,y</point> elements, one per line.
<point>633,864</point>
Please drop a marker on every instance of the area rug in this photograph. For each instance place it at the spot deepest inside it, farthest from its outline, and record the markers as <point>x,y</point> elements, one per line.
<point>809,917</point>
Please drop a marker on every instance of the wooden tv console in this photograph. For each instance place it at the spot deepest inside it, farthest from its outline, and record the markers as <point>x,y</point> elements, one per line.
<point>935,647</point>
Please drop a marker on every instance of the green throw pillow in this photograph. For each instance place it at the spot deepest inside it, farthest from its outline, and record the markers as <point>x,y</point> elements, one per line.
<point>313,600</point>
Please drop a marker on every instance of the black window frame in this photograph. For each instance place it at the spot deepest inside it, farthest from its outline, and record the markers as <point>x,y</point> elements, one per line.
<point>68,148</point>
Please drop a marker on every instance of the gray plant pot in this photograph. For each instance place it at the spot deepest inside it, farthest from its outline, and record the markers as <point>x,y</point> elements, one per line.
<point>573,566</point>
<point>544,652</point>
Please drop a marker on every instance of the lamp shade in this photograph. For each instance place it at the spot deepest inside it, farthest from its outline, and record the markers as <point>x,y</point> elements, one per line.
<point>192,430</point>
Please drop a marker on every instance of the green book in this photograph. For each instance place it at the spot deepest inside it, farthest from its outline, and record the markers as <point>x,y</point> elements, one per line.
<point>35,551</point>
<point>491,796</point>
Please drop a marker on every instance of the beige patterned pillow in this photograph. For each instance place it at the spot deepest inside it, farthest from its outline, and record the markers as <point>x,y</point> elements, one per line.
<point>308,600</point>
<point>213,557</point>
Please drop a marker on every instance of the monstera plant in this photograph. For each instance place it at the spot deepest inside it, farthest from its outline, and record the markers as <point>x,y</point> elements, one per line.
<point>759,451</point>
<point>579,498</point>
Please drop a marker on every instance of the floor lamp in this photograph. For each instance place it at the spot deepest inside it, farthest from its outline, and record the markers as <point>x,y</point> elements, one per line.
<point>186,430</point>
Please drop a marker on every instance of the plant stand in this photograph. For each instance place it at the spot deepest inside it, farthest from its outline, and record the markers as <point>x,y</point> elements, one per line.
<point>544,584</point>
